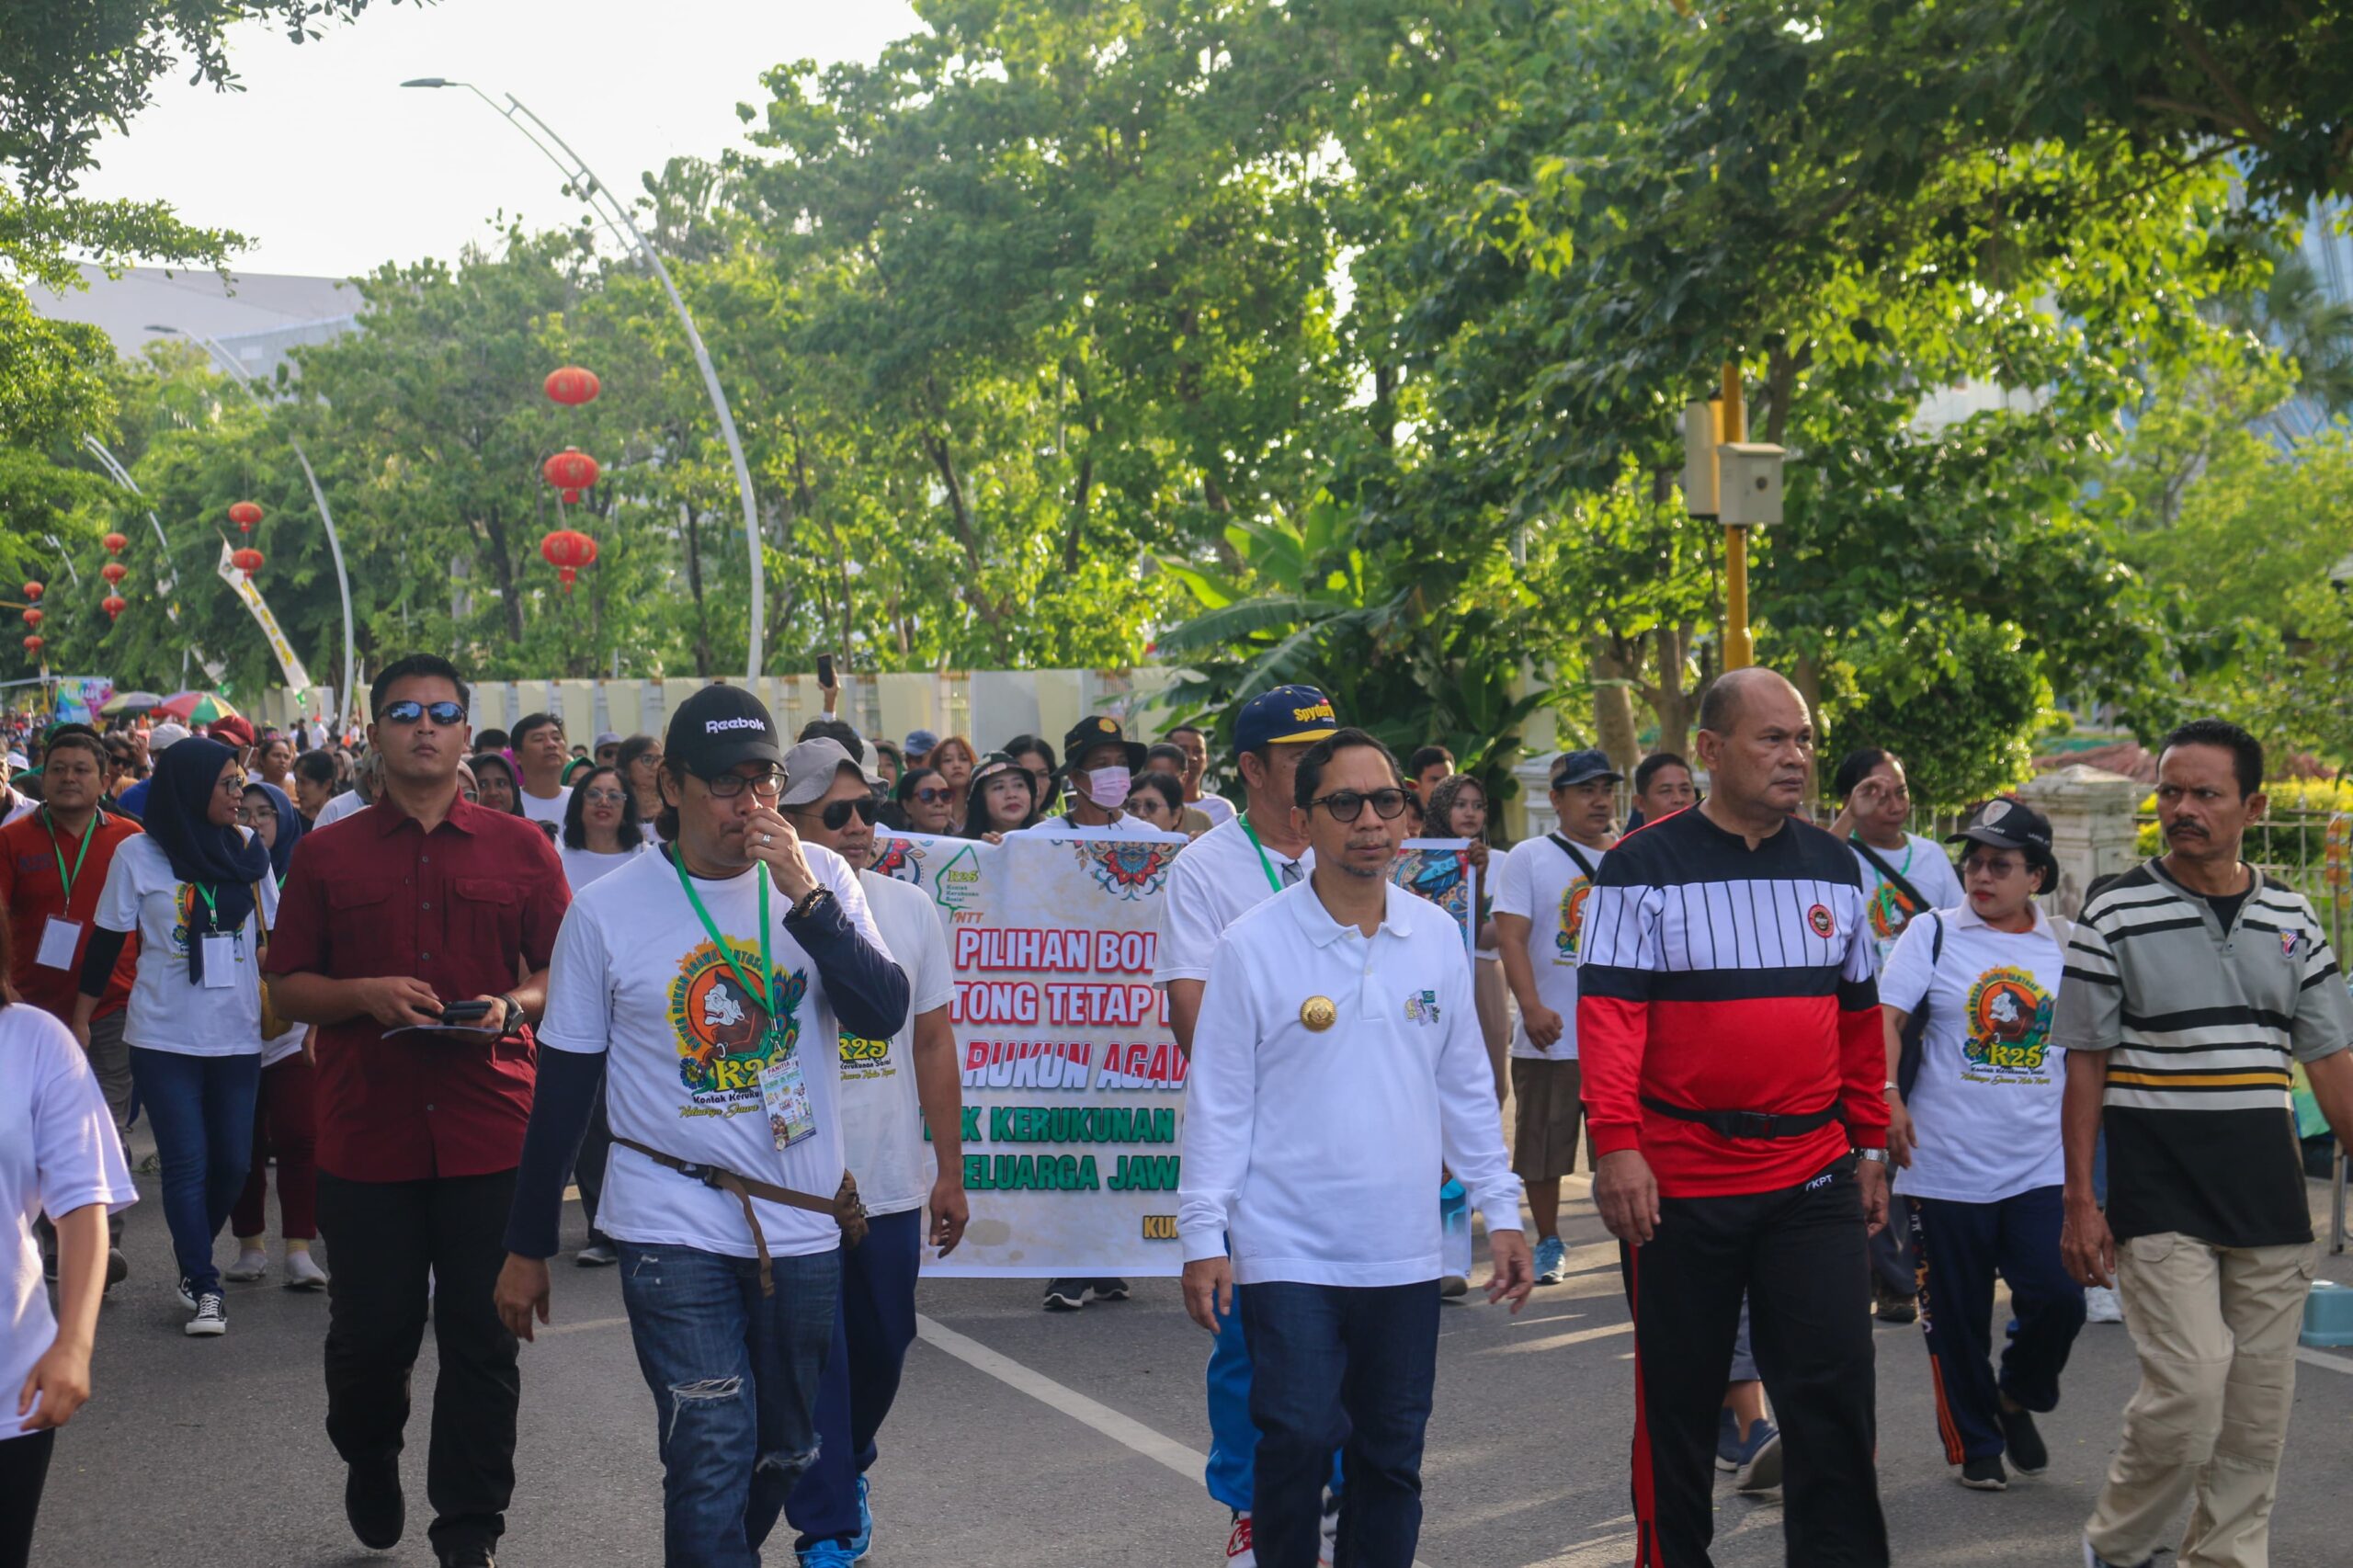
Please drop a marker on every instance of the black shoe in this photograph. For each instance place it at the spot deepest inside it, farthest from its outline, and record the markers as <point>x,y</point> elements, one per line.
<point>117,1267</point>
<point>372,1502</point>
<point>1898,1309</point>
<point>2028,1454</point>
<point>1065,1295</point>
<point>1985,1474</point>
<point>467,1556</point>
<point>1110,1289</point>
<point>597,1254</point>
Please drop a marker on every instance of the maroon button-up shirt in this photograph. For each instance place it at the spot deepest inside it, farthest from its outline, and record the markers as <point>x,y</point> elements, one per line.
<point>375,894</point>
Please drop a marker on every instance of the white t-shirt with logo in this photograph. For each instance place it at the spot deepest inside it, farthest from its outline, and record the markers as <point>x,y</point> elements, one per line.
<point>1545,887</point>
<point>1217,879</point>
<point>549,810</point>
<point>1923,864</point>
<point>582,867</point>
<point>636,978</point>
<point>1985,1106</point>
<point>167,1011</point>
<point>58,1153</point>
<point>881,1114</point>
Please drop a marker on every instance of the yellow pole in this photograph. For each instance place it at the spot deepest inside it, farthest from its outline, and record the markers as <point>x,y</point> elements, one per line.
<point>1739,650</point>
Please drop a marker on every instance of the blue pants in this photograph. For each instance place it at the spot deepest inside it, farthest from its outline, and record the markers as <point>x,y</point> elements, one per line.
<point>735,1377</point>
<point>871,1333</point>
<point>1234,1437</point>
<point>202,1110</point>
<point>1960,1247</point>
<point>1346,1367</point>
<point>1891,1252</point>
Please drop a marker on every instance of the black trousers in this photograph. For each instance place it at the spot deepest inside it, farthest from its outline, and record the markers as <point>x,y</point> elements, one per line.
<point>1799,1255</point>
<point>385,1239</point>
<point>23,1471</point>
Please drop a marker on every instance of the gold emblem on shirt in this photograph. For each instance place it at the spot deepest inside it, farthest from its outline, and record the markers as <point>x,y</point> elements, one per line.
<point>1318,1013</point>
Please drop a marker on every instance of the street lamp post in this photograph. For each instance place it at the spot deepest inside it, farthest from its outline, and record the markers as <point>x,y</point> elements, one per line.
<point>583,179</point>
<point>347,699</point>
<point>168,581</point>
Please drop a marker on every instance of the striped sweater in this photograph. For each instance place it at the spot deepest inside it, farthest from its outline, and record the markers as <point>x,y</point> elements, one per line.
<point>2200,1025</point>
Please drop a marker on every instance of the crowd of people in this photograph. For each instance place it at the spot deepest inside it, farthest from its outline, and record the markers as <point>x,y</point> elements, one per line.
<point>1815,1074</point>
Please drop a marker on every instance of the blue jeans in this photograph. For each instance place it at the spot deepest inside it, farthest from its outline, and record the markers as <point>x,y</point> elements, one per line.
<point>202,1110</point>
<point>734,1377</point>
<point>1341,1367</point>
<point>1961,1247</point>
<point>871,1333</point>
<point>1234,1437</point>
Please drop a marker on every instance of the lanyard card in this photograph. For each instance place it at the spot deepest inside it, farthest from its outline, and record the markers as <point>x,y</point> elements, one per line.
<point>58,940</point>
<point>219,962</point>
<point>786,1095</point>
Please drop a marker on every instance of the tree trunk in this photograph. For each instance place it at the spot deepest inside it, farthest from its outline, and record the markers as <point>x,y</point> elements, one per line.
<point>692,532</point>
<point>1613,706</point>
<point>1671,702</point>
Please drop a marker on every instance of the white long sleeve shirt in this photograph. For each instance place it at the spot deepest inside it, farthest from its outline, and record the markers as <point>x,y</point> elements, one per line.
<point>1319,1151</point>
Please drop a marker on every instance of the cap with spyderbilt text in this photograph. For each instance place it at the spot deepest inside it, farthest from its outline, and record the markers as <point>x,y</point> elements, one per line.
<point>811,768</point>
<point>1284,713</point>
<point>719,727</point>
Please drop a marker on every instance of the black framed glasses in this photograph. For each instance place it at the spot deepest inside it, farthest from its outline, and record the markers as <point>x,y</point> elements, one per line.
<point>935,796</point>
<point>1347,805</point>
<point>408,711</point>
<point>836,814</point>
<point>767,785</point>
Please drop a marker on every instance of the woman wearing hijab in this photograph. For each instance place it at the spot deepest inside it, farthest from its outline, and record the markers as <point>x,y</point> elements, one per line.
<point>285,1114</point>
<point>189,886</point>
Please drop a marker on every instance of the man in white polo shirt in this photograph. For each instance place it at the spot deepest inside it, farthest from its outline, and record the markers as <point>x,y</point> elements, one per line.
<point>1337,1068</point>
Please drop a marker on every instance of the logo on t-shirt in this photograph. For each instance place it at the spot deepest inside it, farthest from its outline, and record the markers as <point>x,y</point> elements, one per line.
<point>863,1059</point>
<point>1421,1007</point>
<point>1819,918</point>
<point>1572,899</point>
<point>1889,912</point>
<point>725,1035</point>
<point>2009,1022</point>
<point>2288,943</point>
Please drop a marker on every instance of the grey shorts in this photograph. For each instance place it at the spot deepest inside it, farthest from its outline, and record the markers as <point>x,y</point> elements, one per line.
<point>1544,1123</point>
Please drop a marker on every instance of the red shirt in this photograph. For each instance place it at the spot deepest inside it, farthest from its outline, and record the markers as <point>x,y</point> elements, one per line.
<point>35,892</point>
<point>458,908</point>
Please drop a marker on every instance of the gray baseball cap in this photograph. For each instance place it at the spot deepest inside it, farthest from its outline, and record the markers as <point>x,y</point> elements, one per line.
<point>811,766</point>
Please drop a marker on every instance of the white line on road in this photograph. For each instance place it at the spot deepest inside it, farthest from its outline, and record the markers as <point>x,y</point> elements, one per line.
<point>1560,1341</point>
<point>2312,1358</point>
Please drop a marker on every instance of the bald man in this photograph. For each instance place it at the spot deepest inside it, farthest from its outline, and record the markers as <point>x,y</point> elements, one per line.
<point>1734,1072</point>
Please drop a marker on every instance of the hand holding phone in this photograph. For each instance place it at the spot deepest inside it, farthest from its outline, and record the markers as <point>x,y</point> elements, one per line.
<point>464,1011</point>
<point>827,682</point>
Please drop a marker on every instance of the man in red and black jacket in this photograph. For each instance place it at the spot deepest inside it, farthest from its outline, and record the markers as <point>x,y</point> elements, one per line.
<point>1734,1086</point>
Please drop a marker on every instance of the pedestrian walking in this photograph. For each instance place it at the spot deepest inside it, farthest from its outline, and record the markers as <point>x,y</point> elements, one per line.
<point>1662,786</point>
<point>541,756</point>
<point>416,935</point>
<point>1974,1132</point>
<point>1457,808</point>
<point>1337,1071</point>
<point>1099,764</point>
<point>1729,1034</point>
<point>2194,986</point>
<point>1190,740</point>
<point>1001,799</point>
<point>708,986</point>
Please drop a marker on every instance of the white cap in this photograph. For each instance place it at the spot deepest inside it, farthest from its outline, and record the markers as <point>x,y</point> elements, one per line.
<point>165,735</point>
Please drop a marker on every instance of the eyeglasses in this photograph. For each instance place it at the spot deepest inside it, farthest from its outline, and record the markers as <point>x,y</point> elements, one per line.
<point>836,814</point>
<point>934,797</point>
<point>608,797</point>
<point>409,711</point>
<point>253,816</point>
<point>231,784</point>
<point>473,796</point>
<point>1347,805</point>
<point>766,785</point>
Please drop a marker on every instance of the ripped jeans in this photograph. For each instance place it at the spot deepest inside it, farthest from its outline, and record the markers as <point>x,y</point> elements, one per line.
<point>734,1376</point>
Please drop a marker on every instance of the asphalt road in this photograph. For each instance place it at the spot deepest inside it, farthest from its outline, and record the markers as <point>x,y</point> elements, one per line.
<point>1024,1439</point>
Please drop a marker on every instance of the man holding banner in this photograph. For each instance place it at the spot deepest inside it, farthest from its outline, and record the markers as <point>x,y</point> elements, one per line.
<point>1337,1067</point>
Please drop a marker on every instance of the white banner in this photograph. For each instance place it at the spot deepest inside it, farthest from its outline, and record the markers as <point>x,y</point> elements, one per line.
<point>1073,1086</point>
<point>239,584</point>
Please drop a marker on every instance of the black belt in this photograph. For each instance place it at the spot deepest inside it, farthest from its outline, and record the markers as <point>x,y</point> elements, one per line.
<point>1749,1123</point>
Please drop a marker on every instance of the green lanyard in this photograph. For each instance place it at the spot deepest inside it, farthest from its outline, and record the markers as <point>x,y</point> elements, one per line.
<point>756,992</point>
<point>211,905</point>
<point>1265,865</point>
<point>68,878</point>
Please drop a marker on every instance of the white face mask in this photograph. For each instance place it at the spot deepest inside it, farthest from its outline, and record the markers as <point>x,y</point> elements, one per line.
<point>1108,786</point>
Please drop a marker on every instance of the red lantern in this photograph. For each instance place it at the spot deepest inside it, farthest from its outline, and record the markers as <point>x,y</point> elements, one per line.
<point>568,551</point>
<point>32,618</point>
<point>115,544</point>
<point>244,514</point>
<point>114,572</point>
<point>570,470</point>
<point>247,561</point>
<point>573,386</point>
<point>32,590</point>
<point>33,645</point>
<point>114,605</point>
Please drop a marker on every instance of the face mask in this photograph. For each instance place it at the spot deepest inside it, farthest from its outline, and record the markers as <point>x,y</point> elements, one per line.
<point>1108,786</point>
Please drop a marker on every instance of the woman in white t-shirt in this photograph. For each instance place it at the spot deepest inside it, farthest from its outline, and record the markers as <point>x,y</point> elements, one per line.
<point>189,886</point>
<point>1458,809</point>
<point>58,1156</point>
<point>1974,1129</point>
<point>600,828</point>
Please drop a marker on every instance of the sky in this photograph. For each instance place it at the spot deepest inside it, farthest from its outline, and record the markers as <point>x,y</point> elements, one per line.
<point>330,168</point>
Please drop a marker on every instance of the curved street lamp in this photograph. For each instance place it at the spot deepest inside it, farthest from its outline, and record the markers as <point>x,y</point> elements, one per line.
<point>348,702</point>
<point>584,180</point>
<point>168,580</point>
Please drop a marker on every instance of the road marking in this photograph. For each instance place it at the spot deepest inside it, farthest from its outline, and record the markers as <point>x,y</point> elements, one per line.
<point>2312,1358</point>
<point>585,1325</point>
<point>1560,1341</point>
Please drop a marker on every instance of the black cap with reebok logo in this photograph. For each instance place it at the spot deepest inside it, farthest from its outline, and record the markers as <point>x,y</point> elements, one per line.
<point>719,727</point>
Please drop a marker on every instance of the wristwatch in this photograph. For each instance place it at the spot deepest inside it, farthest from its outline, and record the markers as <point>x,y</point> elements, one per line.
<point>513,1016</point>
<point>1876,1156</point>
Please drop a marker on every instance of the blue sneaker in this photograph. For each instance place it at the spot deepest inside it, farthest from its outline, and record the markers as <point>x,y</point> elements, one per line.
<point>828,1554</point>
<point>863,1541</point>
<point>1551,1261</point>
<point>1755,1461</point>
<point>1728,1445</point>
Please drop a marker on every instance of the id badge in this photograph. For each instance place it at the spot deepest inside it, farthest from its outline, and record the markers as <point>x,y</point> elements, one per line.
<point>219,962</point>
<point>58,940</point>
<point>786,1095</point>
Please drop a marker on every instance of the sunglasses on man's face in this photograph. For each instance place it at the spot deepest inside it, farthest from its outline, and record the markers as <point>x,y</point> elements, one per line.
<point>408,712</point>
<point>1347,805</point>
<point>836,814</point>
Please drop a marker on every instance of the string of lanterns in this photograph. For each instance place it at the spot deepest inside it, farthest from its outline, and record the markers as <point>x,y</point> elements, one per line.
<point>33,644</point>
<point>571,472</point>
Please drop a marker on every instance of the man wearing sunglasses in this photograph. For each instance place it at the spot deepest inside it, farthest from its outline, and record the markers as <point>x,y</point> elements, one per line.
<point>1337,1068</point>
<point>892,1089</point>
<point>422,899</point>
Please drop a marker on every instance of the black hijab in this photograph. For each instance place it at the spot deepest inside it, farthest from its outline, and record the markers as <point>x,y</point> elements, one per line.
<point>224,861</point>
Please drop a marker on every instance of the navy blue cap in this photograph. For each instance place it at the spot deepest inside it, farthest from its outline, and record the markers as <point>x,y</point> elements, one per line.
<point>1284,713</point>
<point>1583,768</point>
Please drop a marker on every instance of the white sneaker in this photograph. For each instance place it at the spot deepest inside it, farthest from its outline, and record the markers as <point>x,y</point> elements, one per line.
<point>1239,1552</point>
<point>303,1273</point>
<point>211,1316</point>
<point>251,1265</point>
<point>1330,1531</point>
<point>2100,1305</point>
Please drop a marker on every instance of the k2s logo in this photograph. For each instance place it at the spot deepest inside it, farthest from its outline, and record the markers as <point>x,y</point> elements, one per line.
<point>1421,1007</point>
